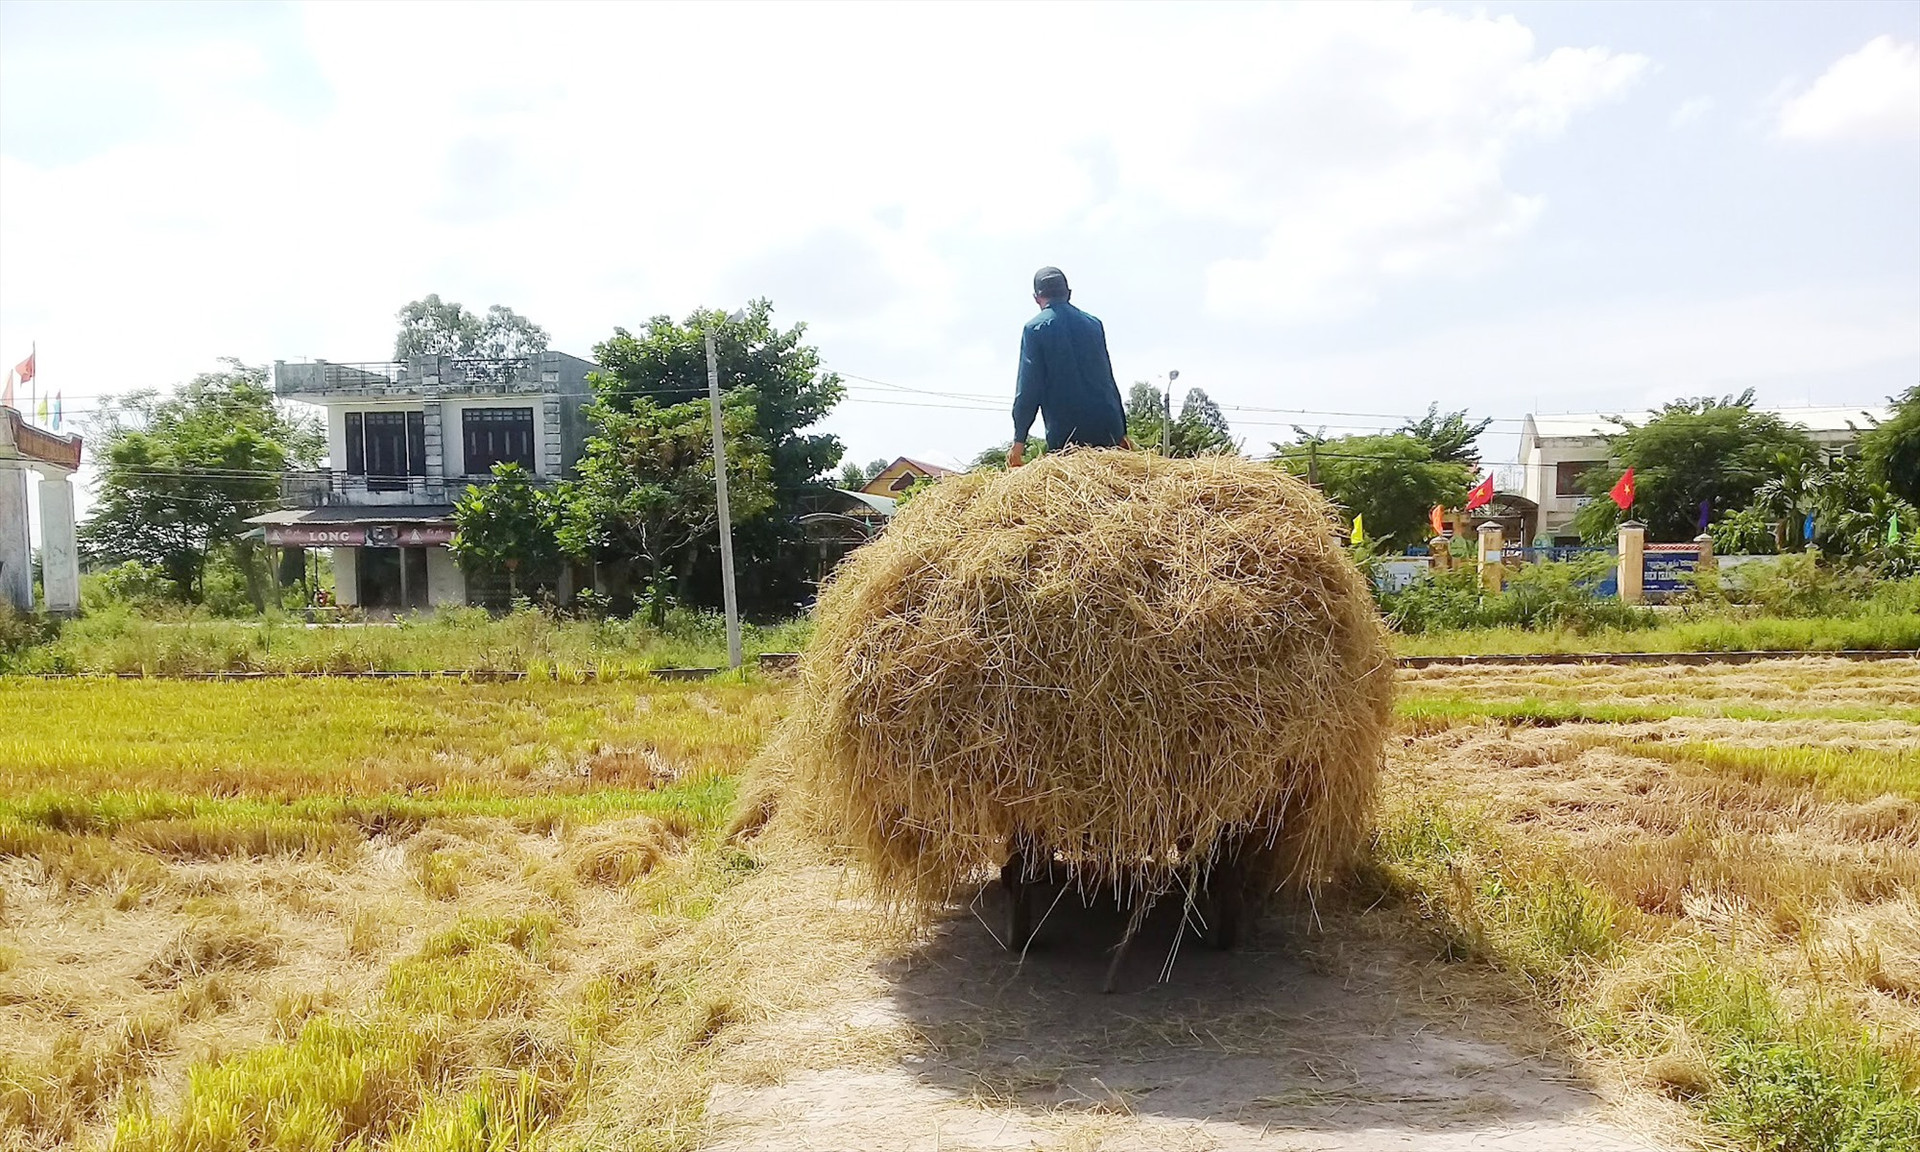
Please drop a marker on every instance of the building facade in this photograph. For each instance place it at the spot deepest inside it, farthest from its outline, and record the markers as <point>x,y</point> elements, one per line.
<point>404,440</point>
<point>1555,451</point>
<point>901,475</point>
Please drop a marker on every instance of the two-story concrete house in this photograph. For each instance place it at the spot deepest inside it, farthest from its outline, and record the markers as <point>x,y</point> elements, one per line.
<point>1556,450</point>
<point>403,442</point>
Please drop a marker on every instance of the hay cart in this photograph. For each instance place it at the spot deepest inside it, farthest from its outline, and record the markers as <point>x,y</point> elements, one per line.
<point>1217,896</point>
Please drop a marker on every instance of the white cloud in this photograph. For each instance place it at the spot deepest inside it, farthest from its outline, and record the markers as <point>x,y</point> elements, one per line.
<point>1872,94</point>
<point>1690,112</point>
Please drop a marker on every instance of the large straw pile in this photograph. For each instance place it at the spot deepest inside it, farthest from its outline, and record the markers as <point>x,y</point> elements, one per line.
<point>1126,660</point>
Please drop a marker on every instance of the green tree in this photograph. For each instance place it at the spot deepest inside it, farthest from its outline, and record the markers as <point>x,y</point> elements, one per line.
<point>511,525</point>
<point>779,382</point>
<point>436,327</point>
<point>645,488</point>
<point>853,477</point>
<point>1717,450</point>
<point>1451,438</point>
<point>182,472</point>
<point>1391,480</point>
<point>1892,449</point>
<point>1146,416</point>
<point>1201,428</point>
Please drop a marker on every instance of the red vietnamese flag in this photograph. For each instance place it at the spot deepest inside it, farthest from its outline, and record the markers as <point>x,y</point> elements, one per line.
<point>1622,493</point>
<point>24,369</point>
<point>1437,518</point>
<point>1482,493</point>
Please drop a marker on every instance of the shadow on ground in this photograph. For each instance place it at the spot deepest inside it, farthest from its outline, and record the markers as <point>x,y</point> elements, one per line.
<point>1256,1038</point>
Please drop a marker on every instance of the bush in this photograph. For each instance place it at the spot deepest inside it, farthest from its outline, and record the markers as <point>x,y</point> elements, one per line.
<point>1797,584</point>
<point>1546,595</point>
<point>133,582</point>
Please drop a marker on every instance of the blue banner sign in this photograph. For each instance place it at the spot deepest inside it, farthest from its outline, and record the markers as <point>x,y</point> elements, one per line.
<point>1668,567</point>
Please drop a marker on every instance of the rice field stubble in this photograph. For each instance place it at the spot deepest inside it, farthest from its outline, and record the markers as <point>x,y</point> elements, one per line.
<point>436,916</point>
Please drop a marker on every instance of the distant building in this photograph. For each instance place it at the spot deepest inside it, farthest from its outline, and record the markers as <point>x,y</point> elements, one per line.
<point>901,475</point>
<point>403,443</point>
<point>25,448</point>
<point>1556,450</point>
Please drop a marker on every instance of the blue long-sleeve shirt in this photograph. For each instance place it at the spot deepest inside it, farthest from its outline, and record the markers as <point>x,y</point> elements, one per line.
<point>1066,376</point>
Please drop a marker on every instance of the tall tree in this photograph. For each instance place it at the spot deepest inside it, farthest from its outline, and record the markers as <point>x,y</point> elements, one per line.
<point>1391,480</point>
<point>435,327</point>
<point>1201,429</point>
<point>1892,449</point>
<point>779,380</point>
<point>181,473</point>
<point>1705,449</point>
<point>645,490</point>
<point>1146,416</point>
<point>1451,438</point>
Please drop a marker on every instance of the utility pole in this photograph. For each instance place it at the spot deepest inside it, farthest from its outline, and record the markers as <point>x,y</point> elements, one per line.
<point>720,499</point>
<point>1166,415</point>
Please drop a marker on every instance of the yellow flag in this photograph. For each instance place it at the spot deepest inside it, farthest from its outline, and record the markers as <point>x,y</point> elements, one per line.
<point>1359,530</point>
<point>42,412</point>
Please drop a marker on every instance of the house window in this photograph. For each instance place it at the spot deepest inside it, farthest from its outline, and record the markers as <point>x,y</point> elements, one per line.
<point>497,436</point>
<point>386,448</point>
<point>1566,476</point>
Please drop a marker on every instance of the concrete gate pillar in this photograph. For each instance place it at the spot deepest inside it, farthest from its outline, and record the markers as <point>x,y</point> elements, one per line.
<point>16,552</point>
<point>59,551</point>
<point>1493,555</point>
<point>1632,570</point>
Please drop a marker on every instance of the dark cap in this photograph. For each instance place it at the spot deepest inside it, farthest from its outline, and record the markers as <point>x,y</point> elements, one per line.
<point>1051,283</point>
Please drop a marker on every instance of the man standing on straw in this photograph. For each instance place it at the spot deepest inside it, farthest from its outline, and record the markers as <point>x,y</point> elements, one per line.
<point>1065,375</point>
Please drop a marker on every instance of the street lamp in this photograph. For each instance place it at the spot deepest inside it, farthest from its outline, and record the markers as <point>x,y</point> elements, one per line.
<point>720,496</point>
<point>1166,415</point>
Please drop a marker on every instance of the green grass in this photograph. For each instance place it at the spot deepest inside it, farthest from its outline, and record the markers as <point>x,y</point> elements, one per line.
<point>1889,632</point>
<point>1439,710</point>
<point>343,1083</point>
<point>283,739</point>
<point>1855,773</point>
<point>117,640</point>
<point>1774,1078</point>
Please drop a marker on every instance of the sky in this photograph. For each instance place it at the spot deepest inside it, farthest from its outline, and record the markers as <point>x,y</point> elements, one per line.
<point>1327,215</point>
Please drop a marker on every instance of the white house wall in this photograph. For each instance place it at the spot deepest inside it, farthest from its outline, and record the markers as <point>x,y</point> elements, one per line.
<point>346,576</point>
<point>446,584</point>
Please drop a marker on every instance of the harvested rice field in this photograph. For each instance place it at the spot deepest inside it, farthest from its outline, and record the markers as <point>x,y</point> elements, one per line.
<point>1604,908</point>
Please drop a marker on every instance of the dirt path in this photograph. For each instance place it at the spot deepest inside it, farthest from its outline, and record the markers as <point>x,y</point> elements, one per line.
<point>959,1046</point>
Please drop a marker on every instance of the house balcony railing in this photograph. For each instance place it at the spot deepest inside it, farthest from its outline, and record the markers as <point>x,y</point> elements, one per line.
<point>327,377</point>
<point>329,487</point>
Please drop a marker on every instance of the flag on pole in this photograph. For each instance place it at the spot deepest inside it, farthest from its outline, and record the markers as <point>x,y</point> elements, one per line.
<point>1622,493</point>
<point>24,369</point>
<point>1893,527</point>
<point>1359,530</point>
<point>1806,528</point>
<point>1482,493</point>
<point>1437,518</point>
<point>40,412</point>
<point>56,411</point>
<point>1706,514</point>
<point>6,396</point>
